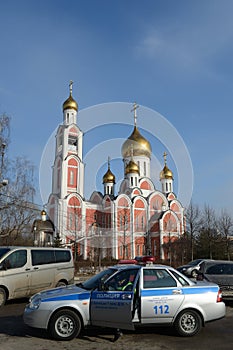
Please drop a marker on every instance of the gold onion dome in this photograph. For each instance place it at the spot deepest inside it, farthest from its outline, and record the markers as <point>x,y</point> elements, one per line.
<point>108,177</point>
<point>43,212</point>
<point>140,146</point>
<point>166,173</point>
<point>70,103</point>
<point>131,167</point>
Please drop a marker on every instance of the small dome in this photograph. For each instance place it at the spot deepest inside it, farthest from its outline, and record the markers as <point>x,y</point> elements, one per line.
<point>137,143</point>
<point>166,173</point>
<point>70,103</point>
<point>43,212</point>
<point>131,167</point>
<point>108,177</point>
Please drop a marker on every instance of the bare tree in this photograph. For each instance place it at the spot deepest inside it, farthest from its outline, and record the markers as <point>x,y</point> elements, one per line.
<point>17,193</point>
<point>225,225</point>
<point>193,223</point>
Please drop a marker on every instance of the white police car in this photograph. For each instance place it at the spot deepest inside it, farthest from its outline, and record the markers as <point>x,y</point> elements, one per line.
<point>125,296</point>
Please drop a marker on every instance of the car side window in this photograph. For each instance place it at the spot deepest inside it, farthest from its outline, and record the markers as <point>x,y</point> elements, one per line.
<point>123,281</point>
<point>16,259</point>
<point>157,278</point>
<point>215,270</point>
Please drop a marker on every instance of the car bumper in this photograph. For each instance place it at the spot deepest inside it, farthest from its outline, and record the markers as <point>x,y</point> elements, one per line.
<point>36,318</point>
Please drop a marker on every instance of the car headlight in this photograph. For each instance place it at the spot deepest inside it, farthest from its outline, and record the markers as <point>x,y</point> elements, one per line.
<point>34,303</point>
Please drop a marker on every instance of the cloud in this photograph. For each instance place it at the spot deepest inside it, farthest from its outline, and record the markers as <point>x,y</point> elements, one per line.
<point>190,42</point>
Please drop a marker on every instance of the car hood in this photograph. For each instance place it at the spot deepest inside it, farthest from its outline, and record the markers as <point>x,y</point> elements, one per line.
<point>70,292</point>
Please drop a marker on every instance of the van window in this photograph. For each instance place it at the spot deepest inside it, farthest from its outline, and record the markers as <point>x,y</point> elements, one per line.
<point>62,256</point>
<point>16,259</point>
<point>220,269</point>
<point>42,257</point>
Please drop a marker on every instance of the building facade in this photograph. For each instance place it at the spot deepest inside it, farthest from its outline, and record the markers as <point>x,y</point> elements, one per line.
<point>139,219</point>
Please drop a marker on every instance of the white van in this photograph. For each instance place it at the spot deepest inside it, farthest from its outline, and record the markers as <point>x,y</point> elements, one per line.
<point>27,270</point>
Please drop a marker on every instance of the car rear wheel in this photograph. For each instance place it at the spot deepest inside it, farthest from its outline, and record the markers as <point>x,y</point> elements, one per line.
<point>188,323</point>
<point>2,297</point>
<point>64,325</point>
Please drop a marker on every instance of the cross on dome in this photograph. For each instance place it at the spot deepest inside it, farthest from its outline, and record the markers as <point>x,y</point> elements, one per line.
<point>165,157</point>
<point>134,109</point>
<point>71,86</point>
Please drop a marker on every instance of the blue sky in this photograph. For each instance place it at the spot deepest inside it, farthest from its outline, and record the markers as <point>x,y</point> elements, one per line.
<point>173,57</point>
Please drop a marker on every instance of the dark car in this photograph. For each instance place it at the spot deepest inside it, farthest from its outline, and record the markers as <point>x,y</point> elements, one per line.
<point>191,269</point>
<point>220,272</point>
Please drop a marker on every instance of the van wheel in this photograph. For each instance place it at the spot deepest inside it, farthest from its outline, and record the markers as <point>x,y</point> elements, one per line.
<point>61,284</point>
<point>2,297</point>
<point>64,325</point>
<point>188,323</point>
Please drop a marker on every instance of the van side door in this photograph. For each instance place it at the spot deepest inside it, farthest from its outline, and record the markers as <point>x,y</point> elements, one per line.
<point>43,269</point>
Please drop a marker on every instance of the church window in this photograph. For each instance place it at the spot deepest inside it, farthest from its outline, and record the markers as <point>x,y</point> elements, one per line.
<point>155,249</point>
<point>70,222</point>
<point>136,182</point>
<point>131,181</point>
<point>138,252</point>
<point>144,168</point>
<point>121,250</point>
<point>166,187</point>
<point>72,140</point>
<point>142,222</point>
<point>71,177</point>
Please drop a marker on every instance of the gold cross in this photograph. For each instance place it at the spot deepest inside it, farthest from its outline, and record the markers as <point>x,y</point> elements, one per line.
<point>71,86</point>
<point>135,107</point>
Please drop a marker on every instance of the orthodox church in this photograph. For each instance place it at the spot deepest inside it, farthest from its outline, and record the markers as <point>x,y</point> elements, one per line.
<point>140,219</point>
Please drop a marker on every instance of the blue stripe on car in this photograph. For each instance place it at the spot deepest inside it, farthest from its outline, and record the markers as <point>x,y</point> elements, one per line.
<point>185,290</point>
<point>82,296</point>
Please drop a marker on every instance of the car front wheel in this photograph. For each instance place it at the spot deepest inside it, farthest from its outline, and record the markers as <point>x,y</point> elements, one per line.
<point>64,325</point>
<point>188,323</point>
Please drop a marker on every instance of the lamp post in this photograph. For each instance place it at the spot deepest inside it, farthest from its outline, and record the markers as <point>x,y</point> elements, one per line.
<point>4,182</point>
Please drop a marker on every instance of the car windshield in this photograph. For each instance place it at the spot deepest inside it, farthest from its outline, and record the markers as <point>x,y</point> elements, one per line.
<point>194,262</point>
<point>94,281</point>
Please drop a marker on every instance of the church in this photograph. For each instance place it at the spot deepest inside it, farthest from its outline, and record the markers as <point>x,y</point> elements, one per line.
<point>138,220</point>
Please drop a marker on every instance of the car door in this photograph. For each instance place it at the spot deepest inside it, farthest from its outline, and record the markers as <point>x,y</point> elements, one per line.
<point>160,296</point>
<point>43,269</point>
<point>16,273</point>
<point>113,305</point>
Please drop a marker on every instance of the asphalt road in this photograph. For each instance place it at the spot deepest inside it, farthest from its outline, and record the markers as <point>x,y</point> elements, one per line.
<point>14,335</point>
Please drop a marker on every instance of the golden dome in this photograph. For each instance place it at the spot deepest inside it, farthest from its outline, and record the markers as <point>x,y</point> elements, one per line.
<point>108,177</point>
<point>70,103</point>
<point>166,173</point>
<point>43,212</point>
<point>137,143</point>
<point>131,167</point>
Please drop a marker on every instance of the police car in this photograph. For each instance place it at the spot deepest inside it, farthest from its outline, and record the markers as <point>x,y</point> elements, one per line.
<point>127,296</point>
